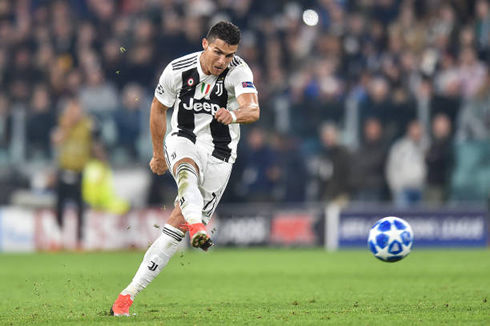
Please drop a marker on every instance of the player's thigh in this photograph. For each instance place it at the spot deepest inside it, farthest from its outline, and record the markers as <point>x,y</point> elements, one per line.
<point>180,149</point>
<point>214,183</point>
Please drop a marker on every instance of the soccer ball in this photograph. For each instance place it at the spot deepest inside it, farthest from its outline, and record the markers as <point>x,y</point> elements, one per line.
<point>390,239</point>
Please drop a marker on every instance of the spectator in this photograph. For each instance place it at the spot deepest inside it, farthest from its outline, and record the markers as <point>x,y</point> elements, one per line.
<point>289,170</point>
<point>402,111</point>
<point>170,33</point>
<point>439,160</point>
<point>482,26</point>
<point>406,170</point>
<point>3,67</point>
<point>474,120</point>
<point>259,173</point>
<point>329,169</point>
<point>369,164</point>
<point>113,64</point>
<point>97,184</point>
<point>98,96</point>
<point>5,125</point>
<point>377,104</point>
<point>73,139</point>
<point>443,29</point>
<point>129,120</point>
<point>40,121</point>
<point>447,83</point>
<point>22,70</point>
<point>471,72</point>
<point>141,68</point>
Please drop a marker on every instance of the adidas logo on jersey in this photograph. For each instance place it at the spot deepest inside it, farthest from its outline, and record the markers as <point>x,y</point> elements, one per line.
<point>204,107</point>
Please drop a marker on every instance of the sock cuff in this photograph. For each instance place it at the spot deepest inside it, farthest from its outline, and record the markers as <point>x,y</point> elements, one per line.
<point>173,232</point>
<point>186,167</point>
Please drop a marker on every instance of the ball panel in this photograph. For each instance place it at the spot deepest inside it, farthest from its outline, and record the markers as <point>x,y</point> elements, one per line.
<point>394,259</point>
<point>406,238</point>
<point>384,226</point>
<point>399,225</point>
<point>395,247</point>
<point>382,240</point>
<point>372,247</point>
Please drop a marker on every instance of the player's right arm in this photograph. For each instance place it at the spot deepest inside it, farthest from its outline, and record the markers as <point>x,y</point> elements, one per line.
<point>241,81</point>
<point>158,128</point>
<point>165,96</point>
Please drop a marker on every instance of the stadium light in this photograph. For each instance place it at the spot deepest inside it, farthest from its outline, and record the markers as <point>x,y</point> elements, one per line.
<point>310,17</point>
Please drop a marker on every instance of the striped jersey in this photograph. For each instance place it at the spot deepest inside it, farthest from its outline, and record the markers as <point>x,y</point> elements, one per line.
<point>196,97</point>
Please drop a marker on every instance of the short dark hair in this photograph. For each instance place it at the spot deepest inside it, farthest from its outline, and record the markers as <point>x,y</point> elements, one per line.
<point>225,31</point>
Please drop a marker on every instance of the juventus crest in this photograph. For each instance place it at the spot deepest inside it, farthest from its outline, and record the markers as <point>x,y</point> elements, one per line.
<point>219,88</point>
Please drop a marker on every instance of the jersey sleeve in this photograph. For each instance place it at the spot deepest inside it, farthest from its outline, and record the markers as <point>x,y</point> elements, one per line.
<point>165,92</point>
<point>242,80</point>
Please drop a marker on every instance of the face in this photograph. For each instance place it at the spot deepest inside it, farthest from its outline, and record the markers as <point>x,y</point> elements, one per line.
<point>256,139</point>
<point>329,136</point>
<point>217,56</point>
<point>441,126</point>
<point>372,130</point>
<point>415,131</point>
<point>74,110</point>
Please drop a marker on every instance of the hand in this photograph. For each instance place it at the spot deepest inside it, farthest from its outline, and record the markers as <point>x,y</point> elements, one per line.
<point>223,116</point>
<point>158,165</point>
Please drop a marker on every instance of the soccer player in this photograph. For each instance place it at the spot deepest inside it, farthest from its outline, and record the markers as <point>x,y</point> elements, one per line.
<point>212,92</point>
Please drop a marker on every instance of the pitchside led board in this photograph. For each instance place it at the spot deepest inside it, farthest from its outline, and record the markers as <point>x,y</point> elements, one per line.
<point>267,226</point>
<point>243,226</point>
<point>431,228</point>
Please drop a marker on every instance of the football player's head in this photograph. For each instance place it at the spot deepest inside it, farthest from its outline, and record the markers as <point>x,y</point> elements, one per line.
<point>220,46</point>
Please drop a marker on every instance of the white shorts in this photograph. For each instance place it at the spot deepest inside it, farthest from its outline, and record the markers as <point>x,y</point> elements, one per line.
<point>213,172</point>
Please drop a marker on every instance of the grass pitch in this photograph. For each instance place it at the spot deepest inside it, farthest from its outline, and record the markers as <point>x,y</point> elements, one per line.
<point>250,287</point>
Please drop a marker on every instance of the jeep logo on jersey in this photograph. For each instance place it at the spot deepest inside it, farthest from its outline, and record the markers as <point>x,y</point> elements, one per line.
<point>201,107</point>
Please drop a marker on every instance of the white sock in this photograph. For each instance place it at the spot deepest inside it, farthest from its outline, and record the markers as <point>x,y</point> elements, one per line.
<point>156,258</point>
<point>190,198</point>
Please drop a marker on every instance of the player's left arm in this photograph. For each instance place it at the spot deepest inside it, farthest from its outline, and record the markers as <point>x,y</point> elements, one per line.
<point>248,111</point>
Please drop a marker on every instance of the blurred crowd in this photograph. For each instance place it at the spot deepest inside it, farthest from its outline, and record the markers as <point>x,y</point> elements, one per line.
<point>378,101</point>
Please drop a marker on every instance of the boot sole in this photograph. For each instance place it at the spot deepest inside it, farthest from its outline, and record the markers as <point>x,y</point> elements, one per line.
<point>202,240</point>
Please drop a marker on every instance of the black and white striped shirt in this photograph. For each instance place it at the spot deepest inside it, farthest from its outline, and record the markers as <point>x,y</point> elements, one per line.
<point>196,97</point>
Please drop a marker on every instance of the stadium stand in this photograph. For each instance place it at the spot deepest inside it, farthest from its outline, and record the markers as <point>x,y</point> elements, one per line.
<point>390,60</point>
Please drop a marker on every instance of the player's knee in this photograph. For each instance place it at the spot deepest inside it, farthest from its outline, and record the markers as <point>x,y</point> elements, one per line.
<point>185,162</point>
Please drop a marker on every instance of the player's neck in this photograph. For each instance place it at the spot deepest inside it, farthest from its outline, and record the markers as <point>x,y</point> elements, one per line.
<point>204,69</point>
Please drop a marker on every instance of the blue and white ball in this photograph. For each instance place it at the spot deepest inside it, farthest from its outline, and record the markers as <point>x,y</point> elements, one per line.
<point>390,239</point>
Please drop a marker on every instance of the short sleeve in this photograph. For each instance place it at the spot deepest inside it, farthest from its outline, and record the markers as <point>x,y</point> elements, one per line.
<point>165,92</point>
<point>242,80</point>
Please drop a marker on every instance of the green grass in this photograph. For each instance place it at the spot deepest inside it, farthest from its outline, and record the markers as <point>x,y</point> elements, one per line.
<point>250,287</point>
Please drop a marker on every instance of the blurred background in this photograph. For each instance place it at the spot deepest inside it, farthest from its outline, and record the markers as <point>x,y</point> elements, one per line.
<point>367,103</point>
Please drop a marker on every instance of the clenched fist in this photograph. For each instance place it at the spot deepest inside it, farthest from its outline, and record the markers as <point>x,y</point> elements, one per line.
<point>158,165</point>
<point>223,116</point>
